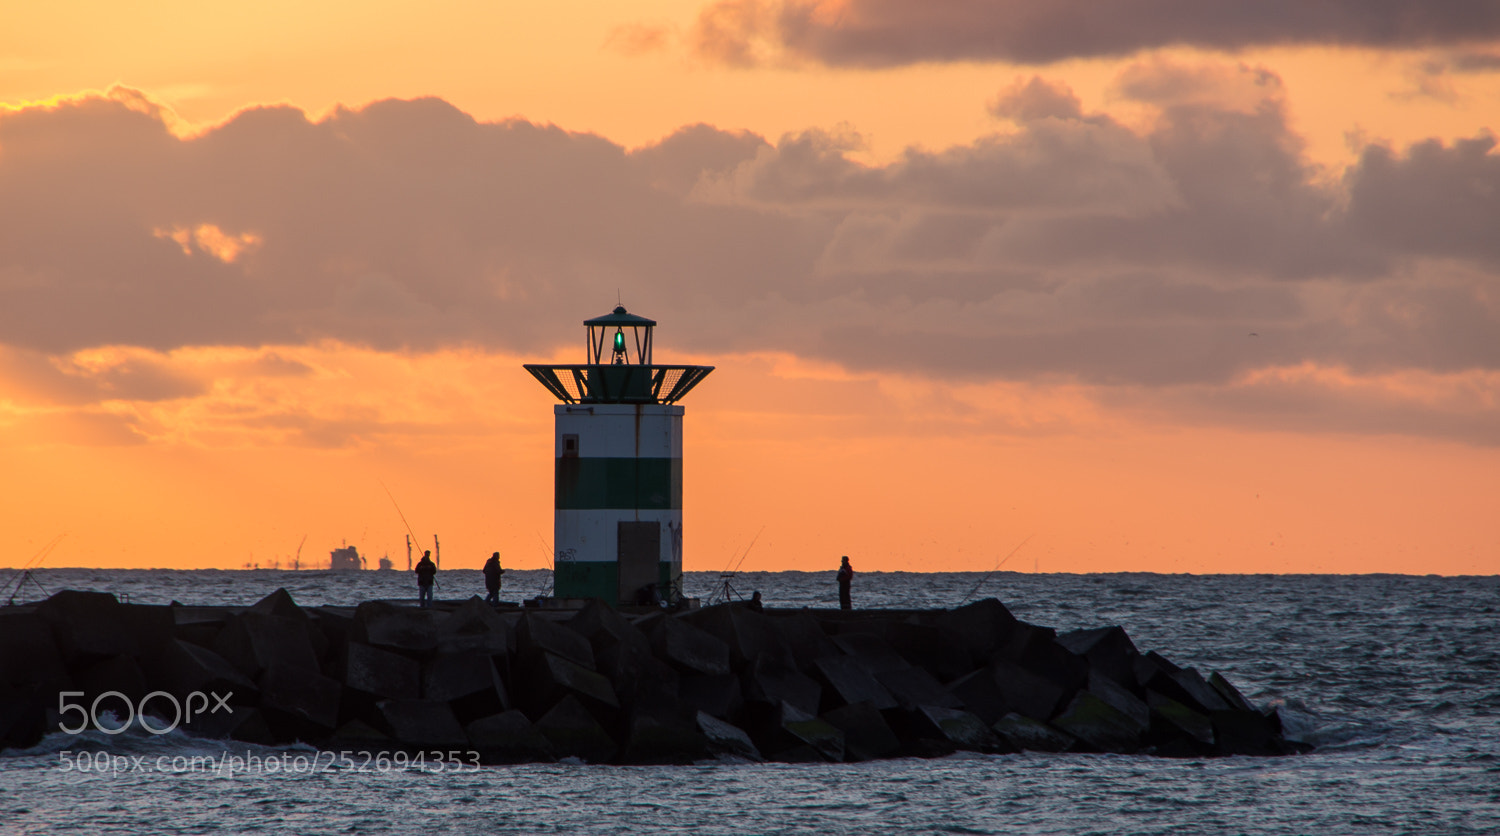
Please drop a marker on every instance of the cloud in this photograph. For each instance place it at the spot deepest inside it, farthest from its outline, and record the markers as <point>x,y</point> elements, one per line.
<point>209,239</point>
<point>1434,198</point>
<point>1037,98</point>
<point>636,39</point>
<point>1051,166</point>
<point>1065,247</point>
<point>880,33</point>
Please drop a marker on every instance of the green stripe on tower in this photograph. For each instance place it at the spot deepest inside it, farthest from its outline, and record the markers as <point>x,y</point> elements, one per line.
<point>618,483</point>
<point>587,580</point>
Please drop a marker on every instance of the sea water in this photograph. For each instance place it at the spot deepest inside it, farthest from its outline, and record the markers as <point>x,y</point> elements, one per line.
<point>1395,679</point>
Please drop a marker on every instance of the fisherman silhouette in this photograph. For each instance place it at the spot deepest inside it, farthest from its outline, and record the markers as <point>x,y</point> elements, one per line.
<point>426,573</point>
<point>492,578</point>
<point>846,576</point>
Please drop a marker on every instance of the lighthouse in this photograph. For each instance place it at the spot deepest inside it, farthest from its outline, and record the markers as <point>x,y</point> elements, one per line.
<point>617,523</point>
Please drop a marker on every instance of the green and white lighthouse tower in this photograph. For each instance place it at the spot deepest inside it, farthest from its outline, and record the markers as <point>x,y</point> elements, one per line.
<point>617,527</point>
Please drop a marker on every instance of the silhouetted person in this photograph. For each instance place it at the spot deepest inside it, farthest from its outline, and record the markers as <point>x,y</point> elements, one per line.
<point>426,573</point>
<point>755,602</point>
<point>846,577</point>
<point>648,595</point>
<point>492,575</point>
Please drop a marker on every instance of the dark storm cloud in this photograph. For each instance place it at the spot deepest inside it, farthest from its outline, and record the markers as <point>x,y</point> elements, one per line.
<point>1435,199</point>
<point>895,32</point>
<point>1069,246</point>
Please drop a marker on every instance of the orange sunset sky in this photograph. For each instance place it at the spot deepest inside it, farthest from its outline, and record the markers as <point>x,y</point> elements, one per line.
<point>1162,285</point>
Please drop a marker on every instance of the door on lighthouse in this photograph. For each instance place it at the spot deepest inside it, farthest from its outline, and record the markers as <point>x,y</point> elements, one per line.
<point>639,554</point>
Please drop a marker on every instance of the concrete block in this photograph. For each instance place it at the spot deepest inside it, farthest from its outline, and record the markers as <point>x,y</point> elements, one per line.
<point>963,730</point>
<point>114,673</point>
<point>29,656</point>
<point>537,635</point>
<point>980,627</point>
<point>1027,734</point>
<point>980,694</point>
<point>381,673</point>
<point>605,628</point>
<point>663,737</point>
<point>1108,650</point>
<point>198,625</point>
<point>774,682</point>
<point>915,687</point>
<point>931,648</point>
<point>359,737</point>
<point>390,627</point>
<point>1047,658</point>
<point>819,734</point>
<point>1100,725</point>
<point>847,682</point>
<point>718,695</point>
<point>805,637</point>
<point>725,738</point>
<point>244,723</point>
<point>181,668</point>
<point>450,676</point>
<point>334,625</point>
<point>1245,733</point>
<point>548,678</point>
<point>867,736</point>
<point>475,626</point>
<point>871,651</point>
<point>23,717</point>
<point>1185,685</point>
<point>574,732</point>
<point>1201,695</point>
<point>278,603</point>
<point>88,626</point>
<point>423,724</point>
<point>508,737</point>
<point>749,634</point>
<point>1170,718</point>
<point>299,703</point>
<point>1231,694</point>
<point>1026,693</point>
<point>468,682</point>
<point>1106,688</point>
<point>254,642</point>
<point>689,649</point>
<point>1154,661</point>
<point>637,676</point>
<point>150,624</point>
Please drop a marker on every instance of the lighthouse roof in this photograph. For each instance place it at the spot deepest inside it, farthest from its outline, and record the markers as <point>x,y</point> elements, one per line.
<point>619,316</point>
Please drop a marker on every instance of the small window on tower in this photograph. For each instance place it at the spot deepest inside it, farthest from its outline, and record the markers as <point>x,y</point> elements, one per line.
<point>570,444</point>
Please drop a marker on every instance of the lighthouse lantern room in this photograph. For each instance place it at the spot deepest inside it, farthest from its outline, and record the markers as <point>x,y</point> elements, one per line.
<point>617,524</point>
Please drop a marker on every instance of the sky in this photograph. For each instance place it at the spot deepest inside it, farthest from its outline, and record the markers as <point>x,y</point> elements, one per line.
<point>1037,285</point>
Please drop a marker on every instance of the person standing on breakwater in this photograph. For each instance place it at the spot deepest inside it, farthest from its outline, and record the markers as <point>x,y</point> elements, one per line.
<point>426,573</point>
<point>846,577</point>
<point>492,574</point>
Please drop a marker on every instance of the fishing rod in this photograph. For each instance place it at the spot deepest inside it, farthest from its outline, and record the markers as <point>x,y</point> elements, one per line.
<point>998,564</point>
<point>726,590</point>
<point>551,562</point>
<point>409,530</point>
<point>23,574</point>
<point>747,550</point>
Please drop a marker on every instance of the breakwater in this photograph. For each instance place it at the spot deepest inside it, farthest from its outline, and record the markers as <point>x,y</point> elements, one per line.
<point>532,684</point>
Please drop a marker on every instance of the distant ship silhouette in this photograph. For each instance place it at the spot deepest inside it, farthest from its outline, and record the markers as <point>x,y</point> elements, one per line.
<point>346,559</point>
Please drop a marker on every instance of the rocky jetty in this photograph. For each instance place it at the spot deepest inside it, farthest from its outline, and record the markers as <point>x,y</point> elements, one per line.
<point>533,684</point>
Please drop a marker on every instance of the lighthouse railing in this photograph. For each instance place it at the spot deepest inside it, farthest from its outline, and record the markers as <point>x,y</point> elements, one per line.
<point>618,383</point>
